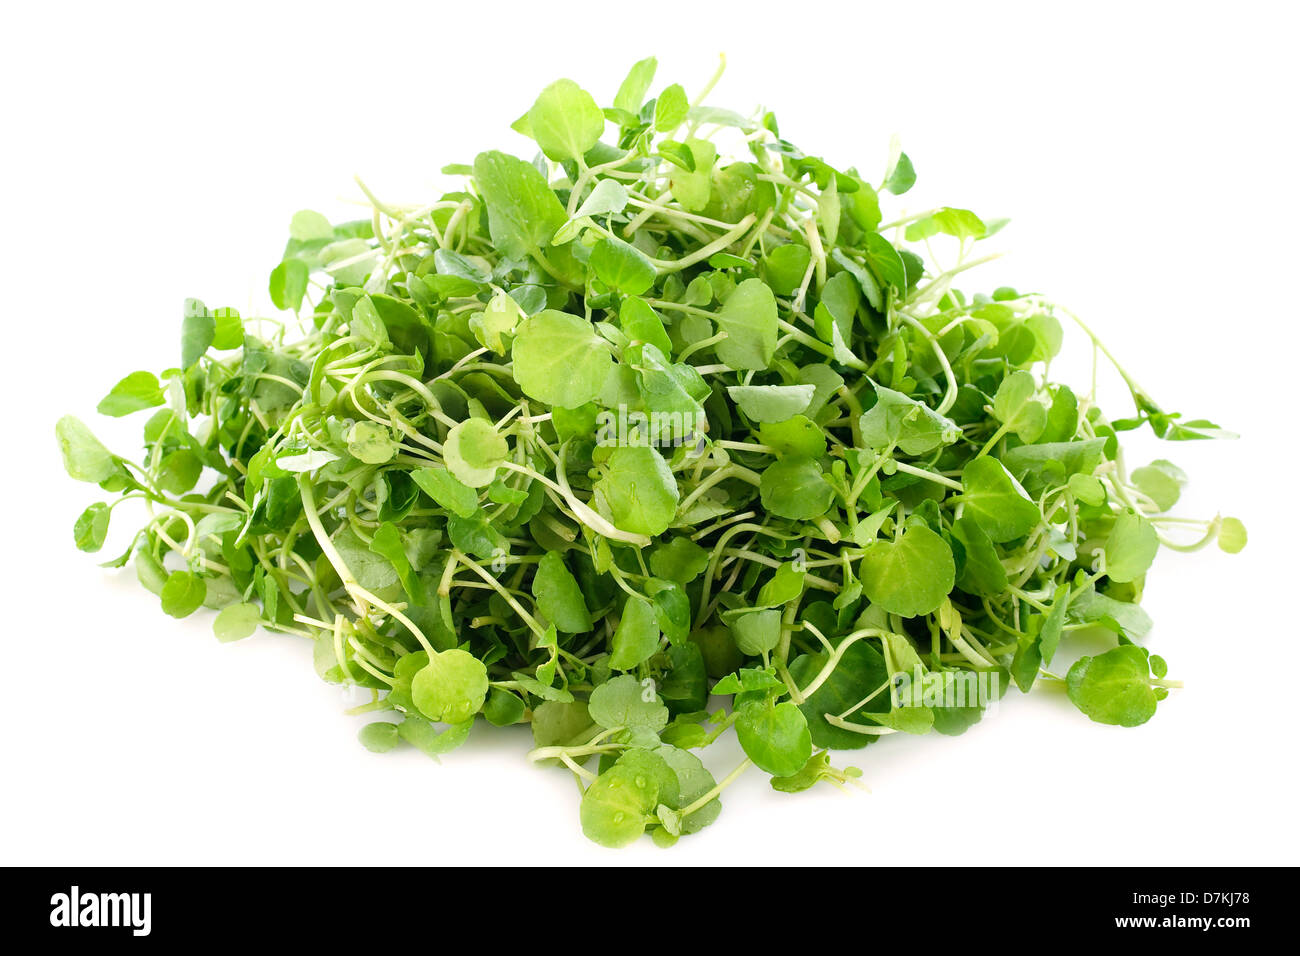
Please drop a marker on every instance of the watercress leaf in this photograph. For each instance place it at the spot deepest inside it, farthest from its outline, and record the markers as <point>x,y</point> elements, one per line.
<point>499,319</point>
<point>670,109</point>
<point>236,622</point>
<point>379,736</point>
<point>307,225</point>
<point>616,805</point>
<point>91,527</point>
<point>422,735</point>
<point>559,598</point>
<point>642,324</point>
<point>628,703</point>
<point>680,560</point>
<point>183,593</point>
<point>451,687</point>
<point>560,359</point>
<point>138,390</point>
<point>287,285</point>
<point>84,458</point>
<point>910,575</point>
<point>637,635</point>
<point>371,443</point>
<point>784,267</point>
<point>1131,546</point>
<point>1016,406</point>
<point>898,420</point>
<point>774,736</point>
<point>1161,481</point>
<point>565,121</point>
<point>795,488</point>
<point>796,437</point>
<point>473,452</point>
<point>754,631</point>
<point>1114,687</point>
<point>523,212</point>
<point>982,571</point>
<point>636,490</point>
<point>749,319</point>
<point>607,197</point>
<point>631,93</point>
<point>901,177</point>
<point>771,403</point>
<point>994,499</point>
<point>443,487</point>
<point>1232,535</point>
<point>622,266</point>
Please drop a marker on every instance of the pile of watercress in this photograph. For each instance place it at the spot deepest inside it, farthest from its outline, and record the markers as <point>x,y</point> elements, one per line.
<point>634,443</point>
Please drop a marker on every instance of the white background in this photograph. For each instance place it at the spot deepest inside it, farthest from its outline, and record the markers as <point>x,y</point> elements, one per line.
<point>1145,153</point>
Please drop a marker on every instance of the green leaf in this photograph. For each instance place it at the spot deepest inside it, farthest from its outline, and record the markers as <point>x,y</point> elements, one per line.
<point>774,736</point>
<point>897,420</point>
<point>565,121</point>
<point>637,635</point>
<point>755,631</point>
<point>795,488</point>
<point>615,807</point>
<point>607,197</point>
<point>307,225</point>
<point>1232,535</point>
<point>559,599</point>
<point>1017,407</point>
<point>796,437</point>
<point>371,443</point>
<point>420,734</point>
<point>670,109</point>
<point>560,360</point>
<point>522,211</point>
<point>628,703</point>
<point>785,266</point>
<point>84,458</point>
<point>451,687</point>
<point>91,527</point>
<point>236,622</point>
<point>1130,547</point>
<point>771,403</point>
<point>680,560</point>
<point>621,266</point>
<point>993,498</point>
<point>473,452</point>
<point>631,93</point>
<point>637,491</point>
<point>749,319</point>
<point>911,575</point>
<point>287,285</point>
<point>1113,688</point>
<point>983,572</point>
<point>138,390</point>
<point>499,318</point>
<point>198,330</point>
<point>446,491</point>
<point>901,177</point>
<point>379,736</point>
<point>1161,481</point>
<point>183,593</point>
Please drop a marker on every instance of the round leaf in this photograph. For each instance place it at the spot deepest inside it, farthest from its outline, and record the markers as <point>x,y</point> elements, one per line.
<point>911,575</point>
<point>451,687</point>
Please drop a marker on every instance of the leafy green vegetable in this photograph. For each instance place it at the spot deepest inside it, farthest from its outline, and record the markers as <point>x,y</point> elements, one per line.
<point>642,443</point>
